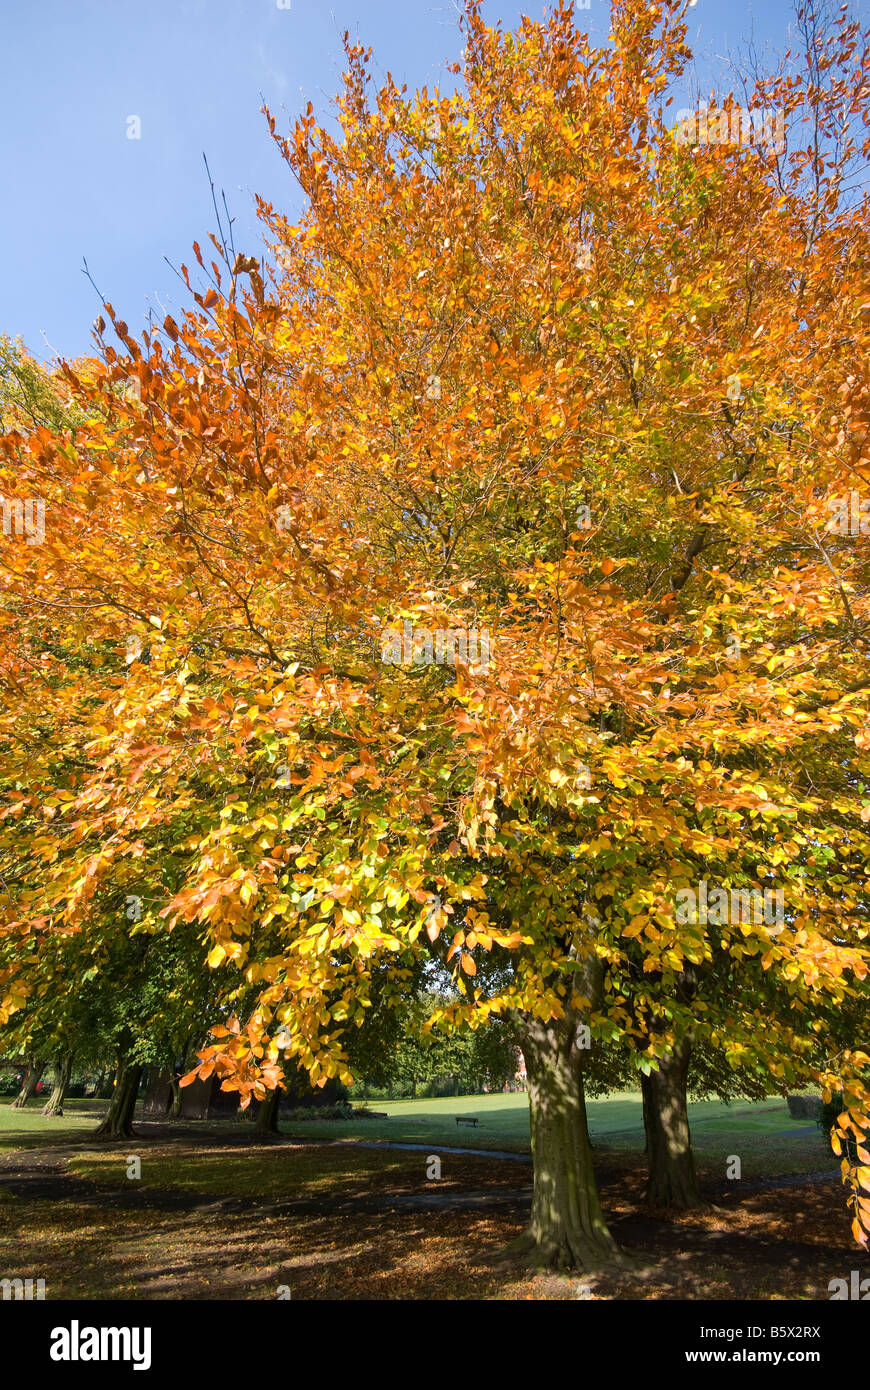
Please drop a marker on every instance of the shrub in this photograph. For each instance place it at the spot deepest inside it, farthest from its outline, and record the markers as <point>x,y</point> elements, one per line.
<point>306,1113</point>
<point>828,1118</point>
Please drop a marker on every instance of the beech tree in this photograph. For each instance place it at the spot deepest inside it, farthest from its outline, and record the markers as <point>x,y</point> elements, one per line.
<point>31,1079</point>
<point>462,585</point>
<point>63,1066</point>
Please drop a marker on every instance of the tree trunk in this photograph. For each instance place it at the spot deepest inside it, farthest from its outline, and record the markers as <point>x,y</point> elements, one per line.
<point>567,1228</point>
<point>672,1179</point>
<point>104,1090</point>
<point>267,1116</point>
<point>29,1085</point>
<point>118,1123</point>
<point>158,1093</point>
<point>62,1074</point>
<point>175,1107</point>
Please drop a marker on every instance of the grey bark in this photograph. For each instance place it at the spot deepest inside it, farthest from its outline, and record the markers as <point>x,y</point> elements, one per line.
<point>62,1074</point>
<point>29,1084</point>
<point>118,1122</point>
<point>567,1228</point>
<point>673,1182</point>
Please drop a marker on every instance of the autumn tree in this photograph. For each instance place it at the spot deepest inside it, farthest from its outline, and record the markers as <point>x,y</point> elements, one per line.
<point>536,372</point>
<point>32,395</point>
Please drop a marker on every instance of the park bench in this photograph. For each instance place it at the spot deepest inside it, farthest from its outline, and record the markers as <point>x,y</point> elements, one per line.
<point>466,1120</point>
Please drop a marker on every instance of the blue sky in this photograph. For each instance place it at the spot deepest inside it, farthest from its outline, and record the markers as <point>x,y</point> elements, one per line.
<point>194,73</point>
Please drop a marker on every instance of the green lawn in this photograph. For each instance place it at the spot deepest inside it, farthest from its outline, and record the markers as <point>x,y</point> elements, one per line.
<point>756,1132</point>
<point>759,1134</point>
<point>21,1129</point>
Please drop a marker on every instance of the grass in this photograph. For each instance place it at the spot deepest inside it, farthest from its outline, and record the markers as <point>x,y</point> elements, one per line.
<point>27,1129</point>
<point>271,1173</point>
<point>504,1123</point>
<point>758,1133</point>
<point>766,1139</point>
